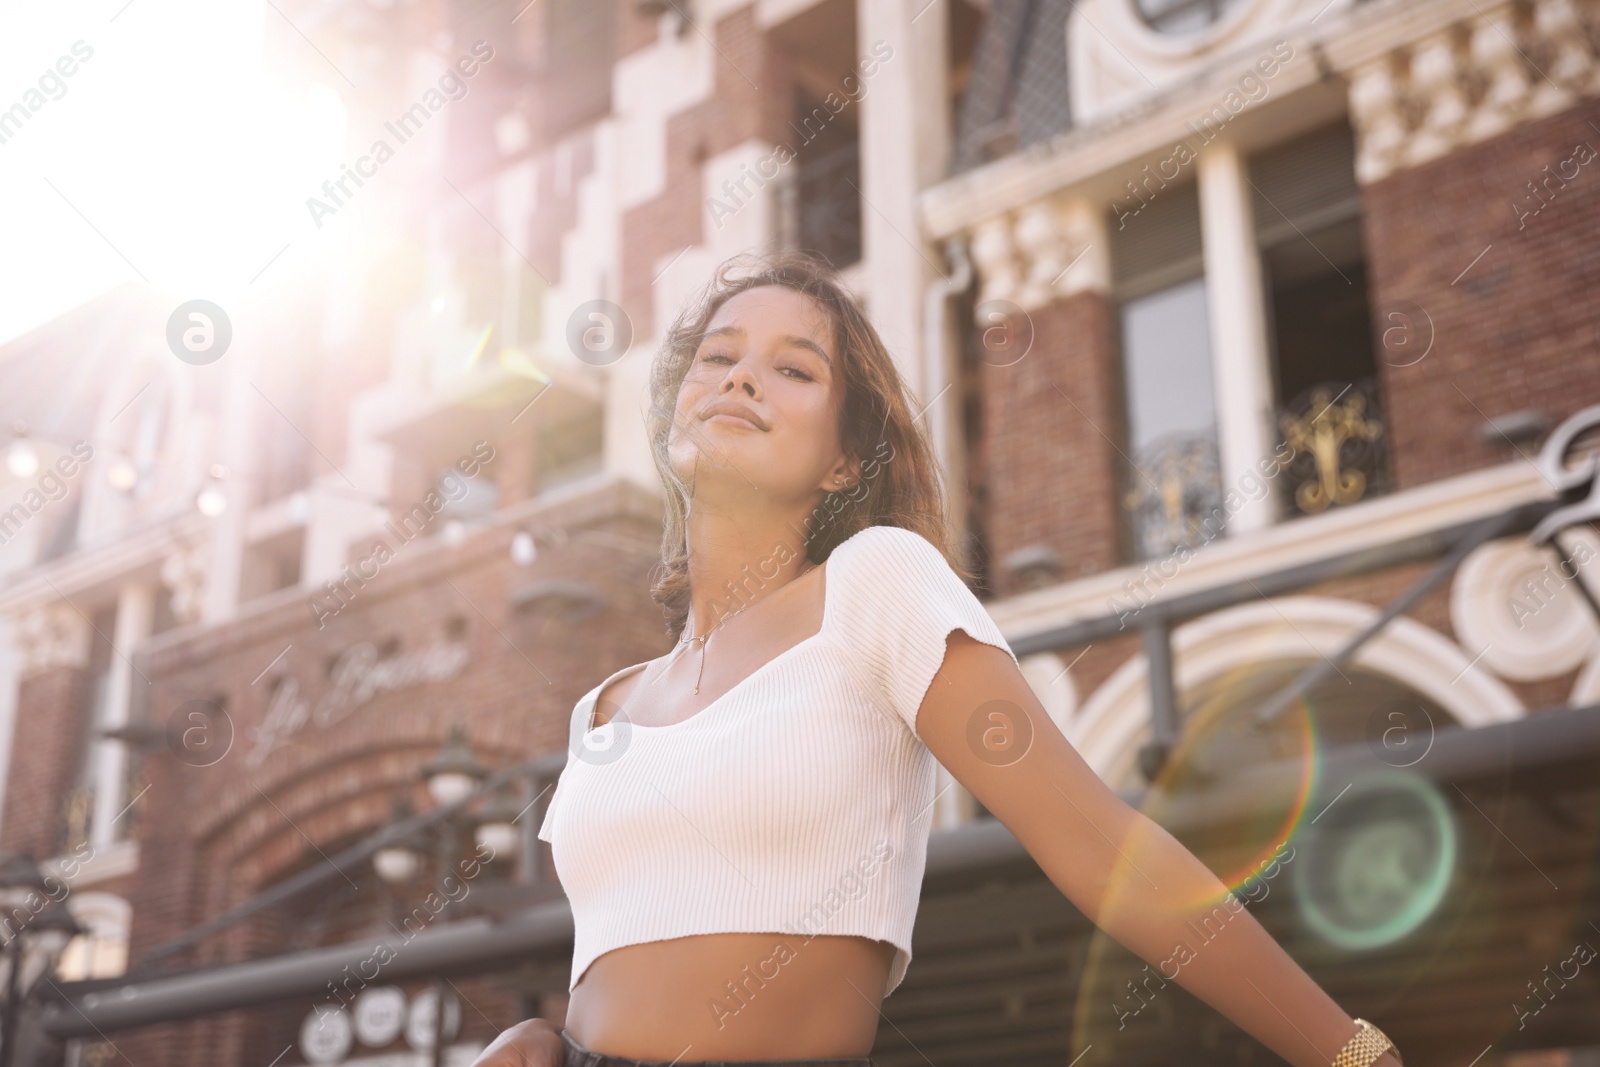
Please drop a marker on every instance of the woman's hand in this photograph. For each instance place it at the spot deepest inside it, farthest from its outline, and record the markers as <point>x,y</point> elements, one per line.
<point>530,1043</point>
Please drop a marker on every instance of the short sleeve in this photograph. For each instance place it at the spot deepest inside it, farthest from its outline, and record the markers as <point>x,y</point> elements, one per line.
<point>897,603</point>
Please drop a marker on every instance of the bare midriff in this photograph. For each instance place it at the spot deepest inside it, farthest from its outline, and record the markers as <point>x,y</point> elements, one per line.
<point>733,997</point>
<point>729,996</point>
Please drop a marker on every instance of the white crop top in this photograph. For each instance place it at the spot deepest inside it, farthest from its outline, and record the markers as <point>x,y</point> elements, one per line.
<point>799,802</point>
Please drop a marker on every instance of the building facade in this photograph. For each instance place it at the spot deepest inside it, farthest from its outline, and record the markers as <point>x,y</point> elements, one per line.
<point>1194,292</point>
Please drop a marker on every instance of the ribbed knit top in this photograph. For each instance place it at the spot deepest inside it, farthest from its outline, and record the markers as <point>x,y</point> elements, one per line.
<point>798,802</point>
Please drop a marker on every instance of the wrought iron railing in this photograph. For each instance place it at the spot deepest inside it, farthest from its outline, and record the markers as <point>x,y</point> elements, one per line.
<point>1174,492</point>
<point>1337,432</point>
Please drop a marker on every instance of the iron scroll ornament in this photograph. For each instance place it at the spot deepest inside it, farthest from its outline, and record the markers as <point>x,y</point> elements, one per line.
<point>1568,480</point>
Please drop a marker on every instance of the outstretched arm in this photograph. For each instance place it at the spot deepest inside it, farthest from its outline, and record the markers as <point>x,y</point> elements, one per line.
<point>1127,874</point>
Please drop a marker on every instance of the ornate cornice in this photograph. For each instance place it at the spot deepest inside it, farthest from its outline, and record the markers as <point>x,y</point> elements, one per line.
<point>1049,249</point>
<point>1470,81</point>
<point>49,636</point>
<point>184,573</point>
<point>1421,79</point>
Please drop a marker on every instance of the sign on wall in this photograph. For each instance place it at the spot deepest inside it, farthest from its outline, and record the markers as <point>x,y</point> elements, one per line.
<point>357,676</point>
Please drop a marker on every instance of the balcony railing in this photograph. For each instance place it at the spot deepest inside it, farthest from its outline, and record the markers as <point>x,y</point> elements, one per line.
<point>1341,447</point>
<point>1174,495</point>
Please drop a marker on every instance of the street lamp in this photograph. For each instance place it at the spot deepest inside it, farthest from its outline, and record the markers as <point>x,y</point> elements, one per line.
<point>496,831</point>
<point>451,776</point>
<point>212,500</point>
<point>455,771</point>
<point>398,863</point>
<point>22,459</point>
<point>48,932</point>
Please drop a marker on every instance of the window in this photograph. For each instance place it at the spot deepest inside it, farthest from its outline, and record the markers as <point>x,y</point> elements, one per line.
<point>148,433</point>
<point>1171,481</point>
<point>76,814</point>
<point>139,436</point>
<point>281,459</point>
<point>818,191</point>
<point>571,449</point>
<point>270,565</point>
<point>1183,16</point>
<point>820,206</point>
<point>1016,92</point>
<point>528,308</point>
<point>1307,212</point>
<point>467,497</point>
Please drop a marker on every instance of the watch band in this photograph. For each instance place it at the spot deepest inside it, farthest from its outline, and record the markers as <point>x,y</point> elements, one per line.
<point>1367,1045</point>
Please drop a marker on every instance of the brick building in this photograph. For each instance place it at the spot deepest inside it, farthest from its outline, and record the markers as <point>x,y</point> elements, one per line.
<point>1230,316</point>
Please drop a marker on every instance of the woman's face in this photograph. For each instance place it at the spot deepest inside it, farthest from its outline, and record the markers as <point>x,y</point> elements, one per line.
<point>759,406</point>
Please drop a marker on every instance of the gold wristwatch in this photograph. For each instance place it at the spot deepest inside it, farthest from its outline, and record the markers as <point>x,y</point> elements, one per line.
<point>1367,1045</point>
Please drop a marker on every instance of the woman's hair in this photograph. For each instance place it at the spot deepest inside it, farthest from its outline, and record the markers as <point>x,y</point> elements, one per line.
<point>899,483</point>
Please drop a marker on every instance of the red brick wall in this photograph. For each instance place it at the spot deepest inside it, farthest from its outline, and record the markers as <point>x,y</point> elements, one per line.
<point>1521,328</point>
<point>213,838</point>
<point>1049,466</point>
<point>45,748</point>
<point>634,30</point>
<point>749,98</point>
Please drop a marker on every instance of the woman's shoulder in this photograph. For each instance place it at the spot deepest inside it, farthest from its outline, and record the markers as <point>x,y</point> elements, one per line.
<point>880,542</point>
<point>887,555</point>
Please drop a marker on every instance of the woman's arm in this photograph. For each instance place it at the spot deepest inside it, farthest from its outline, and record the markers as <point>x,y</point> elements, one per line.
<point>1127,874</point>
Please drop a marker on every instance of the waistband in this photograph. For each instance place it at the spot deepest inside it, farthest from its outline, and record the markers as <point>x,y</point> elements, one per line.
<point>578,1056</point>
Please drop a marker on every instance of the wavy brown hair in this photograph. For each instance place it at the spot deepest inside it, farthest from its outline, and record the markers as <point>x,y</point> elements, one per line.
<point>900,483</point>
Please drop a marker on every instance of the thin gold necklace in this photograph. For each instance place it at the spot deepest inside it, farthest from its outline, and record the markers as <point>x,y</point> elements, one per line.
<point>705,638</point>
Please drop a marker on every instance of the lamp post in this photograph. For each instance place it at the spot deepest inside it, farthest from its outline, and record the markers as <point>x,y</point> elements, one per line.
<point>50,929</point>
<point>452,776</point>
<point>398,863</point>
<point>454,771</point>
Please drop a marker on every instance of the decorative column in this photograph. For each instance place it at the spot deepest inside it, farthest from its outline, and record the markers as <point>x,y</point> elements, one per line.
<point>904,147</point>
<point>1048,369</point>
<point>1235,304</point>
<point>235,443</point>
<point>135,616</point>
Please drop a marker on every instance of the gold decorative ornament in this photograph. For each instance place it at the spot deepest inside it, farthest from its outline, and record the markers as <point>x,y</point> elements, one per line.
<point>1322,432</point>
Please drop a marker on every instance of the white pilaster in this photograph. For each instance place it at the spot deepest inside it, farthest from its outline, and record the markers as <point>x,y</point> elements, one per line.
<point>904,146</point>
<point>9,679</point>
<point>242,405</point>
<point>135,614</point>
<point>1236,306</point>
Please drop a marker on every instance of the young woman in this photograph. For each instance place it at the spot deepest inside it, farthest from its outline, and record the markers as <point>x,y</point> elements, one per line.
<point>742,824</point>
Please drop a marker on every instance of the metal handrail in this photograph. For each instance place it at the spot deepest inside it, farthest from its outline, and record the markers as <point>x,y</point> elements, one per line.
<point>539,769</point>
